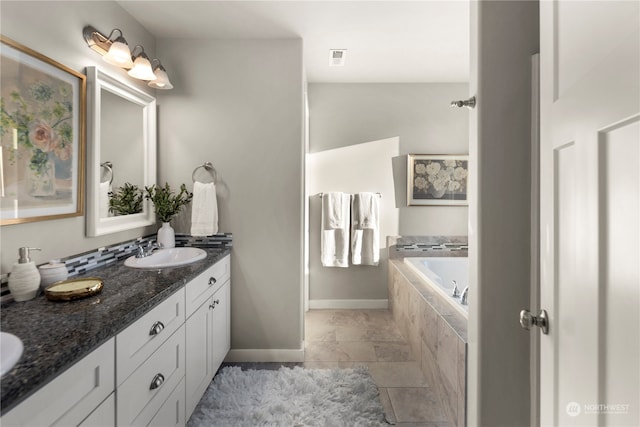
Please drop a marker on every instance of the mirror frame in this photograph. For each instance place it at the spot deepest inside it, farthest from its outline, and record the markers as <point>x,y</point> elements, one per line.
<point>97,80</point>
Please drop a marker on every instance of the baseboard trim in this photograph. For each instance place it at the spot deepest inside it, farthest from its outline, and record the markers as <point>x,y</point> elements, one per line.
<point>265,355</point>
<point>348,304</point>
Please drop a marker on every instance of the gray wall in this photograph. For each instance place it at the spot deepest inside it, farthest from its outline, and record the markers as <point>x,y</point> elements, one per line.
<point>54,29</point>
<point>352,169</point>
<point>504,37</point>
<point>346,114</point>
<point>237,107</point>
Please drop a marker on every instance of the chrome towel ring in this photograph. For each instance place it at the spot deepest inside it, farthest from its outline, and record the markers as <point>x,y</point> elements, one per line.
<point>209,168</point>
<point>109,167</point>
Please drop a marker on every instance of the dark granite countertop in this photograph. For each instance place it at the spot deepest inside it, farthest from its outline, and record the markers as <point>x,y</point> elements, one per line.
<point>56,335</point>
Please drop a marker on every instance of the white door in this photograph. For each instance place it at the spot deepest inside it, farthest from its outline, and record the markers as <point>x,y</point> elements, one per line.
<point>590,214</point>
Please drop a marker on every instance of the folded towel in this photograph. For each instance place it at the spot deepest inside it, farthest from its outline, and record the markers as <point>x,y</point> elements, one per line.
<point>103,199</point>
<point>365,229</point>
<point>204,209</point>
<point>334,241</point>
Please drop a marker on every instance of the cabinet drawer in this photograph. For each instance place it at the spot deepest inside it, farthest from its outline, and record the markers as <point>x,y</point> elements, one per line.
<point>136,343</point>
<point>137,399</point>
<point>172,411</point>
<point>203,286</point>
<point>72,395</point>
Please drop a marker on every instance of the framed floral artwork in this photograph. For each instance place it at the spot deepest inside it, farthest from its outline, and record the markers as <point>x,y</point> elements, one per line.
<point>42,135</point>
<point>437,179</point>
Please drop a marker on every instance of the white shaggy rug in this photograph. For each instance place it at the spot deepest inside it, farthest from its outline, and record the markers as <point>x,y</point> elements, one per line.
<point>290,397</point>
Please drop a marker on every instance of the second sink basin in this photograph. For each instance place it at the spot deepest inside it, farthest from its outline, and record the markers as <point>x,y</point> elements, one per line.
<point>10,351</point>
<point>164,258</point>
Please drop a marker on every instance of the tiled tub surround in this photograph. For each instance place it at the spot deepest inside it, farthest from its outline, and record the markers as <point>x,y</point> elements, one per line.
<point>58,334</point>
<point>436,333</point>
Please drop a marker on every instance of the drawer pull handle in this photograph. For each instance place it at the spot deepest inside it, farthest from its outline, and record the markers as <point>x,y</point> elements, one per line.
<point>212,281</point>
<point>156,328</point>
<point>217,301</point>
<point>212,306</point>
<point>156,382</point>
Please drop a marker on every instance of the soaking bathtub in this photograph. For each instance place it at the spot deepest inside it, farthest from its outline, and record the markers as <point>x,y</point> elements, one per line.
<point>440,272</point>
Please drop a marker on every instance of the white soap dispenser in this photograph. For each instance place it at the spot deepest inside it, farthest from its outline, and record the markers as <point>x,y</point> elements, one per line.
<point>24,280</point>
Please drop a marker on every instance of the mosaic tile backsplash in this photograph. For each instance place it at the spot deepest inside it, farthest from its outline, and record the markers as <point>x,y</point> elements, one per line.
<point>81,263</point>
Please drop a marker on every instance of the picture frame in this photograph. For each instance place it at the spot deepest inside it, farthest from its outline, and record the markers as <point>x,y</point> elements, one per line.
<point>42,135</point>
<point>437,180</point>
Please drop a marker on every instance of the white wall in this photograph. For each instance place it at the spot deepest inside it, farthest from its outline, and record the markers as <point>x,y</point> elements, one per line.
<point>361,167</point>
<point>344,114</point>
<point>240,105</point>
<point>504,36</point>
<point>54,29</point>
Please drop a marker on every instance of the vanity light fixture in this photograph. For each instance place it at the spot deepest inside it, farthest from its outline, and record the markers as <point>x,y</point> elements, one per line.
<point>162,78</point>
<point>115,50</point>
<point>141,65</point>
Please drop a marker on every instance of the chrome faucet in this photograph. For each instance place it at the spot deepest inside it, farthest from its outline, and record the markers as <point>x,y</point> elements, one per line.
<point>464,295</point>
<point>455,292</point>
<point>145,251</point>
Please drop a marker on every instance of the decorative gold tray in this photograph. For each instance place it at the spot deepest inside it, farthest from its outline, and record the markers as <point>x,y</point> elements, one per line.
<point>69,290</point>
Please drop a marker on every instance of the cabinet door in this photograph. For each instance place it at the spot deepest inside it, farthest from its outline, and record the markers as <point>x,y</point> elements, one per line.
<point>220,326</point>
<point>103,416</point>
<point>199,347</point>
<point>72,395</point>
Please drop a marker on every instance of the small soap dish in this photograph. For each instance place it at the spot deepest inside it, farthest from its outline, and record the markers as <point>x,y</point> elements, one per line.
<point>69,290</point>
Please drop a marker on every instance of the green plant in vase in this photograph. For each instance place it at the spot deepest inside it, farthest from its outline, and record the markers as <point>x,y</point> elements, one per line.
<point>126,200</point>
<point>167,205</point>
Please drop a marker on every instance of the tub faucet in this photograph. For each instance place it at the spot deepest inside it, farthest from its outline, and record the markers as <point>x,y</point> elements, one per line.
<point>463,296</point>
<point>455,292</point>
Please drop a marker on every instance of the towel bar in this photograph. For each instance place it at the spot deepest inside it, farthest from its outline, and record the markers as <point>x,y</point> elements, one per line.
<point>109,167</point>
<point>209,168</point>
<point>322,194</point>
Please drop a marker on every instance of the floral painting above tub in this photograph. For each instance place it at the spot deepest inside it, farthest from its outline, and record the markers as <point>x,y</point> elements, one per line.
<point>437,179</point>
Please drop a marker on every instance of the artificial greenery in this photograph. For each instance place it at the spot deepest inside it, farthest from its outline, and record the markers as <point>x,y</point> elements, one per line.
<point>126,200</point>
<point>167,203</point>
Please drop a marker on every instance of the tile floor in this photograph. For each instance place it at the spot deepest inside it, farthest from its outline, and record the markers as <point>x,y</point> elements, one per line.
<point>347,338</point>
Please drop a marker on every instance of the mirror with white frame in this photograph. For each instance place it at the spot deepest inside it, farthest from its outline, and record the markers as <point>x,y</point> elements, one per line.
<point>121,149</point>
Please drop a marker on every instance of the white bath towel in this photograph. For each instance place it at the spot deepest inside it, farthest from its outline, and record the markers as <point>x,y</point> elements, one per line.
<point>103,199</point>
<point>334,241</point>
<point>365,229</point>
<point>204,209</point>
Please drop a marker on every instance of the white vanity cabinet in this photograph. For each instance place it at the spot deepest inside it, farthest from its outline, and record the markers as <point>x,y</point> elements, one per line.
<point>74,396</point>
<point>207,328</point>
<point>153,373</point>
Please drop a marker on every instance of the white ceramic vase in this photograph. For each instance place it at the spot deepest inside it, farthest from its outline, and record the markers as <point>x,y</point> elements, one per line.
<point>166,236</point>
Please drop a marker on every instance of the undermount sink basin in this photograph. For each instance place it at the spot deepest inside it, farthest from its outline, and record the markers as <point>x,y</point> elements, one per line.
<point>164,258</point>
<point>10,351</point>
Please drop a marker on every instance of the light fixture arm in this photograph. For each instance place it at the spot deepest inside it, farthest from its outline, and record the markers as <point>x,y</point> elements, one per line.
<point>133,51</point>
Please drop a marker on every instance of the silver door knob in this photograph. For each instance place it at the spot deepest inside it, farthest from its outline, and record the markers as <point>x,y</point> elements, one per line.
<point>527,320</point>
<point>469,103</point>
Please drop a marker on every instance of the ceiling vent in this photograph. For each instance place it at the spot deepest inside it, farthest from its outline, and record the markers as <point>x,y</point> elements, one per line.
<point>337,57</point>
